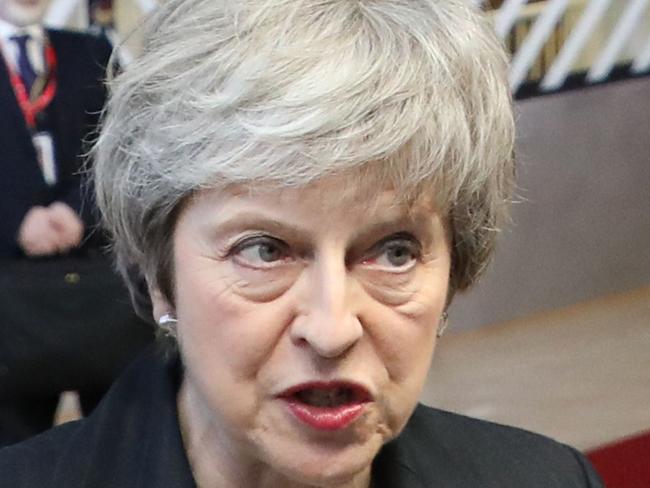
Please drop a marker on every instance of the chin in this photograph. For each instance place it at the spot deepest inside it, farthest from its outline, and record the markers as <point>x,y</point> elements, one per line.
<point>323,464</point>
<point>25,15</point>
<point>327,475</point>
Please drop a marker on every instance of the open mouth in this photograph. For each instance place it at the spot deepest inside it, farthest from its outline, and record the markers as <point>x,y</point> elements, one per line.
<point>331,397</point>
<point>327,406</point>
<point>328,395</point>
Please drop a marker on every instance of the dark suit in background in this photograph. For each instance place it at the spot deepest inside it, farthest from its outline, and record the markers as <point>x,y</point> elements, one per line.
<point>40,353</point>
<point>71,118</point>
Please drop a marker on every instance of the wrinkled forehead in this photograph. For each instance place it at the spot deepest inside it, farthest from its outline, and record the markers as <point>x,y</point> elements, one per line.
<point>356,190</point>
<point>333,208</point>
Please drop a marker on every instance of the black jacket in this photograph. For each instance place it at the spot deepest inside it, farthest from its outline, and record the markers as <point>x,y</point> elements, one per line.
<point>71,118</point>
<point>133,440</point>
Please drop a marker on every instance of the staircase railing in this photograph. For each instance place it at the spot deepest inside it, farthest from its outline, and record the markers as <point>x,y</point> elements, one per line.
<point>555,44</point>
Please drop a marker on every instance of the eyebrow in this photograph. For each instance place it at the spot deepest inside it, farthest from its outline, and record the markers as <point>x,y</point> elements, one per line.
<point>415,222</point>
<point>247,220</point>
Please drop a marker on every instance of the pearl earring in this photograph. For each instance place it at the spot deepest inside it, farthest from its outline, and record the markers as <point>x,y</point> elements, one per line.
<point>167,322</point>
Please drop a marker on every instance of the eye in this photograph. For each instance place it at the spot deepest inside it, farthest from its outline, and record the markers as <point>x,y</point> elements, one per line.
<point>396,254</point>
<point>260,252</point>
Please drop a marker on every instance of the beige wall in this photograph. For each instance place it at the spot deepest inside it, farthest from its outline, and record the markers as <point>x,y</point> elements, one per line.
<point>582,229</point>
<point>128,17</point>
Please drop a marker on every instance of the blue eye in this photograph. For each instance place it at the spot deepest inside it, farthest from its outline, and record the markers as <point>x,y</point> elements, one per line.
<point>397,253</point>
<point>260,251</point>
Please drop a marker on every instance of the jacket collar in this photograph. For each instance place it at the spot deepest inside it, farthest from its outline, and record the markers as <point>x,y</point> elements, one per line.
<point>135,435</point>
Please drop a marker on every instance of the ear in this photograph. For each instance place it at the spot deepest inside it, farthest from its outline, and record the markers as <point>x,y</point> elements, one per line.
<point>160,305</point>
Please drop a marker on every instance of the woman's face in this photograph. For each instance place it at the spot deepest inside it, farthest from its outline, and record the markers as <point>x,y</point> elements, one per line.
<point>307,320</point>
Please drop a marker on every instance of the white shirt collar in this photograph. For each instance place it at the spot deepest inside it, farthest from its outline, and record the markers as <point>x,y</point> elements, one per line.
<point>35,49</point>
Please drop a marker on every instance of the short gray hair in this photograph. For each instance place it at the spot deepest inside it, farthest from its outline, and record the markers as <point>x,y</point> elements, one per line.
<point>286,92</point>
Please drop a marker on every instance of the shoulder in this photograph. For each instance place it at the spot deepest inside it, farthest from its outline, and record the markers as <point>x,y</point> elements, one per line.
<point>132,434</point>
<point>490,454</point>
<point>34,463</point>
<point>81,44</point>
<point>76,38</point>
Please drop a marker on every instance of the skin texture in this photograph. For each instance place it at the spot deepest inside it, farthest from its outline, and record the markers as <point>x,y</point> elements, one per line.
<point>277,288</point>
<point>22,13</point>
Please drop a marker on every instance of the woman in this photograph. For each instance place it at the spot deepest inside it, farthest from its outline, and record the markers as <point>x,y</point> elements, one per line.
<point>303,185</point>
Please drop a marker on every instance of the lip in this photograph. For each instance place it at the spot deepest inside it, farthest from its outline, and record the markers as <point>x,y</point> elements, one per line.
<point>327,418</point>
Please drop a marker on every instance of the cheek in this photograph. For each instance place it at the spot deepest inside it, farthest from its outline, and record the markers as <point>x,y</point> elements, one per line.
<point>406,346</point>
<point>404,335</point>
<point>405,330</point>
<point>219,326</point>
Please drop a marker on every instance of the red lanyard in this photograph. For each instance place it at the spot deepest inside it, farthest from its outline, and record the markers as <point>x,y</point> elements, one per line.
<point>32,108</point>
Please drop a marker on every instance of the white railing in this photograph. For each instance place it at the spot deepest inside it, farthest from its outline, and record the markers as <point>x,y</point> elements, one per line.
<point>626,26</point>
<point>541,31</point>
<point>574,44</point>
<point>545,23</point>
<point>592,36</point>
<point>507,15</point>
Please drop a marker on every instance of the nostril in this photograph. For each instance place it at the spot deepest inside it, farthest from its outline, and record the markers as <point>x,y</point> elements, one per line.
<point>301,342</point>
<point>328,336</point>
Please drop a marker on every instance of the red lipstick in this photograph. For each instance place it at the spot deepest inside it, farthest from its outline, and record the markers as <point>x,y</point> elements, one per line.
<point>327,406</point>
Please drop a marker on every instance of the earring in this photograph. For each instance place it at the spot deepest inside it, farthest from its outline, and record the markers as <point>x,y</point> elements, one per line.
<point>442,325</point>
<point>167,323</point>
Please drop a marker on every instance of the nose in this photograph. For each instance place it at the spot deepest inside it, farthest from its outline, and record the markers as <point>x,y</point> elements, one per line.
<point>327,321</point>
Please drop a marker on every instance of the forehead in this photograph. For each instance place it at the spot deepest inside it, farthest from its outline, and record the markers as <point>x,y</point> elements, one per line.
<point>325,211</point>
<point>341,194</point>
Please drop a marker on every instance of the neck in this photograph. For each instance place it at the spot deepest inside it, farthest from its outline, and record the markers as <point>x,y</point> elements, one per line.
<point>7,30</point>
<point>4,24</point>
<point>216,463</point>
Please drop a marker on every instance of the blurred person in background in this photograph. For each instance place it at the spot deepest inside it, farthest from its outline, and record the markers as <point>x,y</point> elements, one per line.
<point>101,15</point>
<point>51,96</point>
<point>304,185</point>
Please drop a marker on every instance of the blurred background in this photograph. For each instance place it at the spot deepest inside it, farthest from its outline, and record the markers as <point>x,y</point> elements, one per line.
<point>556,337</point>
